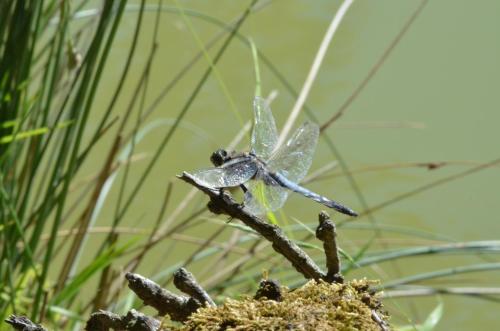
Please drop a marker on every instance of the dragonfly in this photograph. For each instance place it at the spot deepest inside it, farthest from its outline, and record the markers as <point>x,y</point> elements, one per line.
<point>268,173</point>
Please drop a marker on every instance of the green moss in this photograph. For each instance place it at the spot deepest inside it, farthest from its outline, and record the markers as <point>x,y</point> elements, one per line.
<point>315,306</point>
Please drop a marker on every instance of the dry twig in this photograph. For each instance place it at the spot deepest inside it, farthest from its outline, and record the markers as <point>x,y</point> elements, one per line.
<point>327,234</point>
<point>176,306</point>
<point>185,282</point>
<point>134,321</point>
<point>23,323</point>
<point>270,289</point>
<point>380,321</point>
<point>222,203</point>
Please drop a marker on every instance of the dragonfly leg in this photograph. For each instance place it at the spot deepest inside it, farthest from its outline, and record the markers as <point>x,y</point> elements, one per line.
<point>244,188</point>
<point>213,208</point>
<point>245,191</point>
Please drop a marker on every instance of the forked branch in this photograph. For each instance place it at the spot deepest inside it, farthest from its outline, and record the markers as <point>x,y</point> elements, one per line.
<point>222,203</point>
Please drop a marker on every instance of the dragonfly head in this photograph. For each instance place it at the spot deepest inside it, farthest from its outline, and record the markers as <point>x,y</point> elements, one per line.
<point>219,157</point>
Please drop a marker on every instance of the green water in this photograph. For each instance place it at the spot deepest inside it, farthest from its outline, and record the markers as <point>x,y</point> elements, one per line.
<point>434,100</point>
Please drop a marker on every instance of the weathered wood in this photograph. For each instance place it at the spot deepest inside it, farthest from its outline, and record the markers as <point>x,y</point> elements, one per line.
<point>326,232</point>
<point>133,321</point>
<point>23,323</point>
<point>222,203</point>
<point>185,282</point>
<point>178,307</point>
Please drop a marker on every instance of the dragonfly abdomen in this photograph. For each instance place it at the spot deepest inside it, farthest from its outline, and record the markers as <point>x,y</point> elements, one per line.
<point>285,182</point>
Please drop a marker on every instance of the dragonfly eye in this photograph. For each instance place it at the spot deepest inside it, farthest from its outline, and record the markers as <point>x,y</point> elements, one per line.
<point>219,157</point>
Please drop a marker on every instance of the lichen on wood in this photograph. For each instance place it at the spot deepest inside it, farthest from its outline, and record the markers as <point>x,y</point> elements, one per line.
<point>317,305</point>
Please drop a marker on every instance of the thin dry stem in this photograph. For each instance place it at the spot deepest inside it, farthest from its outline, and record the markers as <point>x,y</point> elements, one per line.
<point>313,72</point>
<point>375,68</point>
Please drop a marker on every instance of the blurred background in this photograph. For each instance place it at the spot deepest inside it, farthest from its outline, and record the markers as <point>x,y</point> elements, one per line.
<point>117,99</point>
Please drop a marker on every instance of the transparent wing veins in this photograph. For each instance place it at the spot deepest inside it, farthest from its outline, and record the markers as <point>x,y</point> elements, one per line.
<point>229,175</point>
<point>264,134</point>
<point>264,195</point>
<point>294,159</point>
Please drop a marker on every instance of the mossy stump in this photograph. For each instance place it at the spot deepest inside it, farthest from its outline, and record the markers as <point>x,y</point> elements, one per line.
<point>317,305</point>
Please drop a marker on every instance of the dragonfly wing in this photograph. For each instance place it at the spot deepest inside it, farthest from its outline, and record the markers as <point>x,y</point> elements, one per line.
<point>264,134</point>
<point>294,159</point>
<point>262,197</point>
<point>229,175</point>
